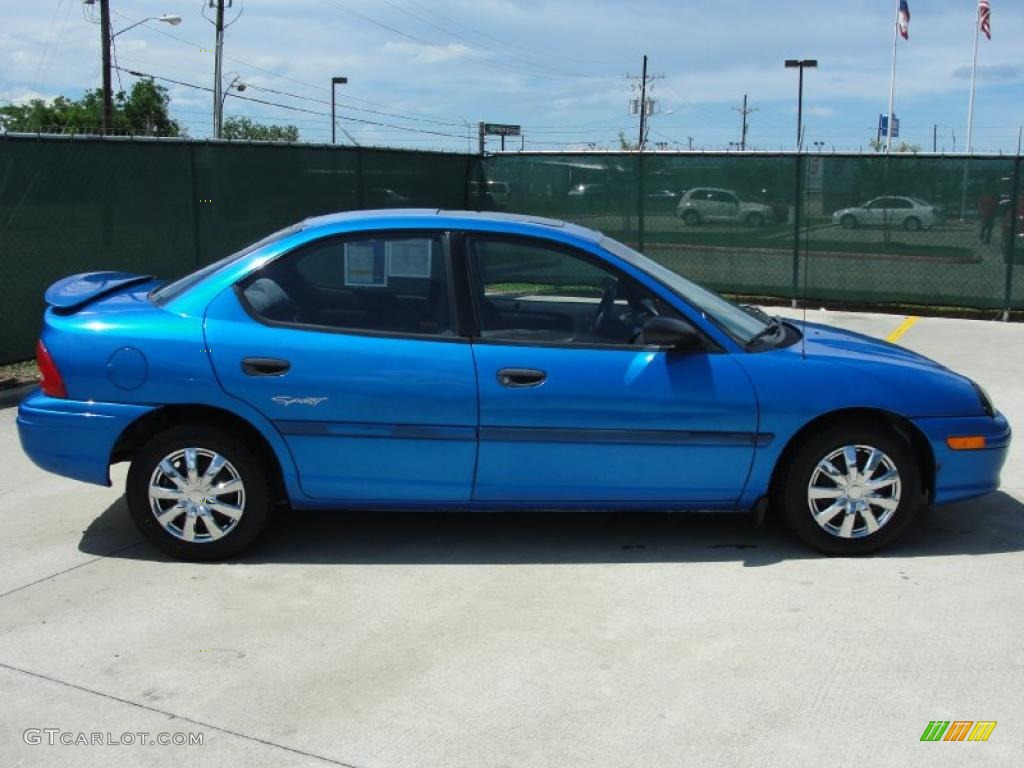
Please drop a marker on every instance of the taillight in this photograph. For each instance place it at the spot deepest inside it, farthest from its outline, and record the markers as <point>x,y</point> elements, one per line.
<point>52,383</point>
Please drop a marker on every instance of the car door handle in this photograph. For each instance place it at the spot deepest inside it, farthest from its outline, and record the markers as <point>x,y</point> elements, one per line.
<point>265,366</point>
<point>521,377</point>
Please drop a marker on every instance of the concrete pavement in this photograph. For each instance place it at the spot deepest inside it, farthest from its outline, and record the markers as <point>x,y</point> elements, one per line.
<point>629,639</point>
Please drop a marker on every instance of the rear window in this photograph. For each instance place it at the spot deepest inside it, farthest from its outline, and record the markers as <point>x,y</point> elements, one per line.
<point>170,291</point>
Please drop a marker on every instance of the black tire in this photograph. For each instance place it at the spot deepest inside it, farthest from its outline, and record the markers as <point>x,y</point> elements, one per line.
<point>791,497</point>
<point>248,468</point>
<point>912,224</point>
<point>849,221</point>
<point>755,220</point>
<point>691,217</point>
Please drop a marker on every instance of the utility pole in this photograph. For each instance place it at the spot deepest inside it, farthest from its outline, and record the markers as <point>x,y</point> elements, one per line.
<point>935,137</point>
<point>107,113</point>
<point>689,141</point>
<point>641,106</point>
<point>744,111</point>
<point>218,108</point>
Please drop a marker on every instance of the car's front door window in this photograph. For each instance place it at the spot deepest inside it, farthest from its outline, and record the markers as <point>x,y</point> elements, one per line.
<point>530,292</point>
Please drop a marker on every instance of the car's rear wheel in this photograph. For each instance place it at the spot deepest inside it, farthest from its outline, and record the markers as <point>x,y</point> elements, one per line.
<point>691,217</point>
<point>912,224</point>
<point>851,489</point>
<point>849,221</point>
<point>197,493</point>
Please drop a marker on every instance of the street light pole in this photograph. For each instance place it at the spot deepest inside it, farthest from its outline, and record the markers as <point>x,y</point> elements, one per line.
<point>798,181</point>
<point>233,84</point>
<point>800,64</point>
<point>106,43</point>
<point>335,81</point>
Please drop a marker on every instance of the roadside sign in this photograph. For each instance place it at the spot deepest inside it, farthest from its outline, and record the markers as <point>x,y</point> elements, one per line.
<point>501,129</point>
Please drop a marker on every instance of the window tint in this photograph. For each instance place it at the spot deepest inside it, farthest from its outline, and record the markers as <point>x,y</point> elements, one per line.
<point>396,283</point>
<point>533,292</point>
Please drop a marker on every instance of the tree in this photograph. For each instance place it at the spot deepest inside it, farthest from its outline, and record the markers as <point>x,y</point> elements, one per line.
<point>244,128</point>
<point>143,111</point>
<point>879,146</point>
<point>625,144</point>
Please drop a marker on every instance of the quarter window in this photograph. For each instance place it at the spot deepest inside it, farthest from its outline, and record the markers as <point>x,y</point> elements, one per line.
<point>394,283</point>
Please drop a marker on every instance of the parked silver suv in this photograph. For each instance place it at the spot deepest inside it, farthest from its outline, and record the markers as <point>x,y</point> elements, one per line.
<point>702,204</point>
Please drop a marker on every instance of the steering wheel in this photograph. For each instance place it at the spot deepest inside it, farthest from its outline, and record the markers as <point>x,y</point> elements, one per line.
<point>610,290</point>
<point>640,312</point>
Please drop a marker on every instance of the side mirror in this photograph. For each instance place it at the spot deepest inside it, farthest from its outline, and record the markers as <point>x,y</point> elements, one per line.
<point>673,333</point>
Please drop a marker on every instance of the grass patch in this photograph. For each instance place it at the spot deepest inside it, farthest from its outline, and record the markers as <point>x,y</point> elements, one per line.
<point>16,374</point>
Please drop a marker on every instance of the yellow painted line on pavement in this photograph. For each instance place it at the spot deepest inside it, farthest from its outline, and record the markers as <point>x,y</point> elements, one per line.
<point>905,326</point>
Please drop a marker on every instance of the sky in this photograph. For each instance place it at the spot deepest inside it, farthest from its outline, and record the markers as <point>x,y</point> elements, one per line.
<point>423,72</point>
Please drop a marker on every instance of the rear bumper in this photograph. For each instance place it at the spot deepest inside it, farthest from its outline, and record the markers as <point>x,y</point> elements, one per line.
<point>965,474</point>
<point>73,438</point>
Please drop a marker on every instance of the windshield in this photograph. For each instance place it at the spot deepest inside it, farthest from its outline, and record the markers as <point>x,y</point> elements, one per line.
<point>170,291</point>
<point>731,318</point>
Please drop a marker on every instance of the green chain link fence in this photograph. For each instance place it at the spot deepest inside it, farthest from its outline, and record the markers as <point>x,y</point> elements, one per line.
<point>910,229</point>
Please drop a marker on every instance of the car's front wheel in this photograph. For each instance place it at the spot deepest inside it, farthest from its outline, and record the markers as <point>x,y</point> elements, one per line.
<point>849,221</point>
<point>691,217</point>
<point>197,493</point>
<point>851,489</point>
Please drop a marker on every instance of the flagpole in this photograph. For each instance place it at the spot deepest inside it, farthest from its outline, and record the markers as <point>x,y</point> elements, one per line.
<point>892,79</point>
<point>970,116</point>
<point>974,72</point>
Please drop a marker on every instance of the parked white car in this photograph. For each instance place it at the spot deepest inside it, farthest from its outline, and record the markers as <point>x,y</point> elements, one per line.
<point>908,212</point>
<point>713,204</point>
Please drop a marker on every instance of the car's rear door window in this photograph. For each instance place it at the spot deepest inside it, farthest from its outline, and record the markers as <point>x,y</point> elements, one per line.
<point>395,282</point>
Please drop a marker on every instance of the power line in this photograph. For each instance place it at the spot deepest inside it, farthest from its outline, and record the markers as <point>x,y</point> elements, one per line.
<point>292,107</point>
<point>463,54</point>
<point>515,45</point>
<point>405,116</point>
<point>472,42</point>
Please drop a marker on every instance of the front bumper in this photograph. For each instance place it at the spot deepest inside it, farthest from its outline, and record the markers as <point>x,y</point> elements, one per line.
<point>966,474</point>
<point>73,438</point>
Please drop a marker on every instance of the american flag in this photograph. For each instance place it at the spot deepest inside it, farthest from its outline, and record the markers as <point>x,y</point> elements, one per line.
<point>904,19</point>
<point>984,21</point>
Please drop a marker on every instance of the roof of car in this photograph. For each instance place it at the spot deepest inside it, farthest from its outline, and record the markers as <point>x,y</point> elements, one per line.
<point>439,218</point>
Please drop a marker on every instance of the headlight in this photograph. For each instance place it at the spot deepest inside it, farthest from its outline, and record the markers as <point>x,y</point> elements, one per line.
<point>983,396</point>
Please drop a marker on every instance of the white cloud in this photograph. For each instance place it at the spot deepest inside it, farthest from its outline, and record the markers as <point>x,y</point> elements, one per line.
<point>429,54</point>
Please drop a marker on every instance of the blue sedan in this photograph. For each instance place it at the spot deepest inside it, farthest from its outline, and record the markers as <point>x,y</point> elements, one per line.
<point>455,360</point>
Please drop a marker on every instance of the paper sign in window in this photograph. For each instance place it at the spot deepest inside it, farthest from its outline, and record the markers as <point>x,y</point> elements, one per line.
<point>365,265</point>
<point>409,258</point>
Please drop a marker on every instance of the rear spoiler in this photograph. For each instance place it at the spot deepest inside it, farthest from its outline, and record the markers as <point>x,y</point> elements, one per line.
<point>70,293</point>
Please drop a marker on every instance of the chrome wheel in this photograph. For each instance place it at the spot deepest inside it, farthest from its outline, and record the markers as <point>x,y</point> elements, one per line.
<point>854,491</point>
<point>196,495</point>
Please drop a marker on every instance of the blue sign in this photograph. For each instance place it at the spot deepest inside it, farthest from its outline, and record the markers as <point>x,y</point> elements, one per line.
<point>883,126</point>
